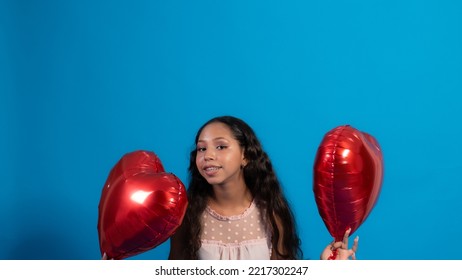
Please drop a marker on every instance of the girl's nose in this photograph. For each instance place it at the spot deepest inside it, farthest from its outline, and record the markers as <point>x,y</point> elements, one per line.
<point>209,155</point>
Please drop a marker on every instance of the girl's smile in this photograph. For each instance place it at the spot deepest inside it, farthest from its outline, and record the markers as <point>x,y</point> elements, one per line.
<point>211,170</point>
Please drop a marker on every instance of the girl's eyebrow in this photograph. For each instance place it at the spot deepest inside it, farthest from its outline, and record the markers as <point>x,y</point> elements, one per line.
<point>214,139</point>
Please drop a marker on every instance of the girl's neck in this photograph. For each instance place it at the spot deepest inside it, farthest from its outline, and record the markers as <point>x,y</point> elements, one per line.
<point>230,200</point>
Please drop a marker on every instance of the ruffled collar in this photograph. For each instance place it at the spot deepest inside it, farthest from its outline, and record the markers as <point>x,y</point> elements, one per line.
<point>246,212</point>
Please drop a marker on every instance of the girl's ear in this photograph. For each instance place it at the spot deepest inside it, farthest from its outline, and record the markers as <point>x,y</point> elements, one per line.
<point>243,160</point>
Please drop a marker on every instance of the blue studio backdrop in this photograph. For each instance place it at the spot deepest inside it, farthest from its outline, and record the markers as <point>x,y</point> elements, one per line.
<point>84,82</point>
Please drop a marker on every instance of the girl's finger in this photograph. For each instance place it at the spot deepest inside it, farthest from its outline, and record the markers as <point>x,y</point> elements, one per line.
<point>345,238</point>
<point>355,244</point>
<point>336,245</point>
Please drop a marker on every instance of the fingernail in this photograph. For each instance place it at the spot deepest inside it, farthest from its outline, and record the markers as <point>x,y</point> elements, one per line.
<point>357,238</point>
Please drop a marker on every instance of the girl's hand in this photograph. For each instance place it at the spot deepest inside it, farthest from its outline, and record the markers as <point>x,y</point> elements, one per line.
<point>339,250</point>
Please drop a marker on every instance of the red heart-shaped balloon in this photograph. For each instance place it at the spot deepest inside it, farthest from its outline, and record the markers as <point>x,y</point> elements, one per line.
<point>141,206</point>
<point>348,174</point>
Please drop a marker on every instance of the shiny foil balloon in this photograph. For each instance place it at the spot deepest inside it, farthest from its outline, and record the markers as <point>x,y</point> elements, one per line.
<point>141,206</point>
<point>348,174</point>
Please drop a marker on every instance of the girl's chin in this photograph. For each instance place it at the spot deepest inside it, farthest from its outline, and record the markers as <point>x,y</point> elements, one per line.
<point>214,182</point>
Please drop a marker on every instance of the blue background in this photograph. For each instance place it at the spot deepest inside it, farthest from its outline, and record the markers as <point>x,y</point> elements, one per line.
<point>84,82</point>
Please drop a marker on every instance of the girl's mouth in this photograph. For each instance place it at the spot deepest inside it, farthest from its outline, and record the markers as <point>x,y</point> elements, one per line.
<point>211,170</point>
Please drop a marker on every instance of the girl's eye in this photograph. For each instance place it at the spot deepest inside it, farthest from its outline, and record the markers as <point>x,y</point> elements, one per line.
<point>221,147</point>
<point>200,149</point>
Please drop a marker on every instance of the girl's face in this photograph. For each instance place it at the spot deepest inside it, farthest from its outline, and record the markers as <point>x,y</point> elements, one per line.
<point>219,156</point>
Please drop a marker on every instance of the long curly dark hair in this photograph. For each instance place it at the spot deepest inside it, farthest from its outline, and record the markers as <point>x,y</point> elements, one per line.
<point>263,184</point>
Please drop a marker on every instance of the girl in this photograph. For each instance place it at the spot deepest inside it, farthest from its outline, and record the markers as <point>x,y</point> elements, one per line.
<point>237,209</point>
